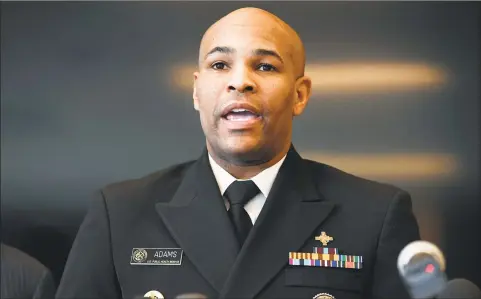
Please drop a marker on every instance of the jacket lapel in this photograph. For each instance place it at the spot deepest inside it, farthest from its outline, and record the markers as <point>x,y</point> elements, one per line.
<point>197,219</point>
<point>293,210</point>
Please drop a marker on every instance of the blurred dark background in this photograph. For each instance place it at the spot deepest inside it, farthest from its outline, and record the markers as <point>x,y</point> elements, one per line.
<point>96,92</point>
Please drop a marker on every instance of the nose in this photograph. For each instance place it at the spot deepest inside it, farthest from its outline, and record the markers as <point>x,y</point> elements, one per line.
<point>241,81</point>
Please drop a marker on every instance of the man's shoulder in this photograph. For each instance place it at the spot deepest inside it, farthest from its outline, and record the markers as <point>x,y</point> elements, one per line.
<point>347,185</point>
<point>162,181</point>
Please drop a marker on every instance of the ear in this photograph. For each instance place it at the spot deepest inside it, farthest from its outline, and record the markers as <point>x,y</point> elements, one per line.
<point>303,93</point>
<point>194,94</point>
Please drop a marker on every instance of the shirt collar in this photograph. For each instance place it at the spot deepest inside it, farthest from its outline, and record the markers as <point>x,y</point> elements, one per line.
<point>263,180</point>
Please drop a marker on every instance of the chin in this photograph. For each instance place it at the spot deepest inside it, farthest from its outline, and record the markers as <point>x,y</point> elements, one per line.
<point>241,149</point>
<point>241,144</point>
<point>245,153</point>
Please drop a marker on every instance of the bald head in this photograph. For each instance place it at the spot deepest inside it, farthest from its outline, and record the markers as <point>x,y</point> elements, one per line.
<point>255,19</point>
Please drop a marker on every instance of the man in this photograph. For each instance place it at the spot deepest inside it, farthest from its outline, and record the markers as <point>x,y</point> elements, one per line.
<point>23,276</point>
<point>235,222</point>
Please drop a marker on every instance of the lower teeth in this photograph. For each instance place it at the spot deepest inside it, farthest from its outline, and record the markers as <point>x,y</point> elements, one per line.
<point>240,117</point>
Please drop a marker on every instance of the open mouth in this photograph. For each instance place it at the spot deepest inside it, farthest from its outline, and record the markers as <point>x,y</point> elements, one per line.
<point>240,114</point>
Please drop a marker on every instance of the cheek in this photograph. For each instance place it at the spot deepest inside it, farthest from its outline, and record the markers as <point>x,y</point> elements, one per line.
<point>280,99</point>
<point>209,91</point>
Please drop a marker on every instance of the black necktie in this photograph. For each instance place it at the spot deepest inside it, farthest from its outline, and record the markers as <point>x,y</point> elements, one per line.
<point>238,194</point>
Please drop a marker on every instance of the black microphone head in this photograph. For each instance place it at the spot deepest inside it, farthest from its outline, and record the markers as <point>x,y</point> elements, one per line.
<point>460,289</point>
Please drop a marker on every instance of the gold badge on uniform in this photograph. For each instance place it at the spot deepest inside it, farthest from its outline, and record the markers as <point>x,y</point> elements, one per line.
<point>323,296</point>
<point>154,295</point>
<point>324,238</point>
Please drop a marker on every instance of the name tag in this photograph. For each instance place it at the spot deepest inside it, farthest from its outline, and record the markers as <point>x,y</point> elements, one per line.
<point>157,256</point>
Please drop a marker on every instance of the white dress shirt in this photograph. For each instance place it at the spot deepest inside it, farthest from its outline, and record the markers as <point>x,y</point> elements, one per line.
<point>263,181</point>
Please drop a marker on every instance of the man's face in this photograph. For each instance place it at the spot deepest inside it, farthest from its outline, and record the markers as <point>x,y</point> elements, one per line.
<point>245,92</point>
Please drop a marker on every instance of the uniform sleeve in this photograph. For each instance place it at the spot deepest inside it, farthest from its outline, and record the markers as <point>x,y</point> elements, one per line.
<point>399,229</point>
<point>89,271</point>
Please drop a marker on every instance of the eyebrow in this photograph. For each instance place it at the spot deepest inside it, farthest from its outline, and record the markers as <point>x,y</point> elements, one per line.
<point>256,52</point>
<point>224,50</point>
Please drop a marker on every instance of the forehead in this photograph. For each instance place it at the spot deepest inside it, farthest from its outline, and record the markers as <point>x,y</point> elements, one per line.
<point>244,38</point>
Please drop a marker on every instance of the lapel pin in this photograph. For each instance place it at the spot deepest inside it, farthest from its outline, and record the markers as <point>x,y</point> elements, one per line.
<point>323,296</point>
<point>324,238</point>
<point>154,295</point>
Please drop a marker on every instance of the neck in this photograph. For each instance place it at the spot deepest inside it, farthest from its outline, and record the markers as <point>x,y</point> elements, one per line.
<point>244,172</point>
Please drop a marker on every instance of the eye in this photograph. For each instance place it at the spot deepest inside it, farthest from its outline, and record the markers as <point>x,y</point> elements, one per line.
<point>267,67</point>
<point>219,66</point>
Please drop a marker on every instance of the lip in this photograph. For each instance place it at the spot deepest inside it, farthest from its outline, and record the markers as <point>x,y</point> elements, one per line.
<point>240,105</point>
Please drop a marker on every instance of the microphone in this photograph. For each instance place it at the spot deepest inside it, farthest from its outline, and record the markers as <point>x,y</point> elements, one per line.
<point>460,289</point>
<point>421,266</point>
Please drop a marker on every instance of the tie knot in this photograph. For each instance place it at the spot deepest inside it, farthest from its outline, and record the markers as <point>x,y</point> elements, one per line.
<point>240,192</point>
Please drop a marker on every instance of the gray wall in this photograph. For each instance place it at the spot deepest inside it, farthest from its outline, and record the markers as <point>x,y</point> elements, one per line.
<point>87,99</point>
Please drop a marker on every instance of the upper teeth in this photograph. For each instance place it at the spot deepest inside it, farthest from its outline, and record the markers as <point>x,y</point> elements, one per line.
<point>240,110</point>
